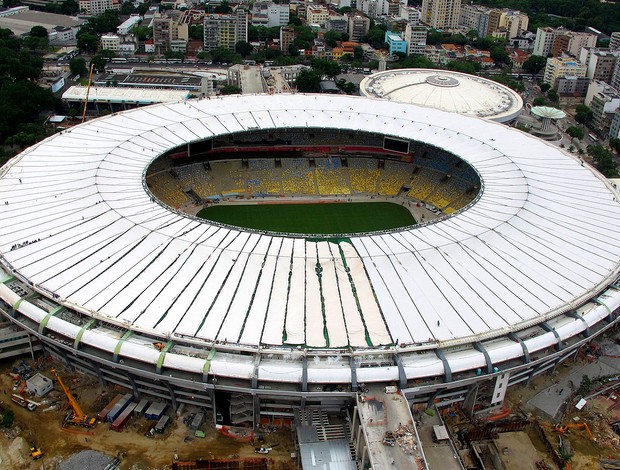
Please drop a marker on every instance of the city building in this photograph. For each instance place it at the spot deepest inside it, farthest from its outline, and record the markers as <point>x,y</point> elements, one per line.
<point>126,26</point>
<point>270,14</point>
<point>111,42</point>
<point>614,127</point>
<point>287,36</point>
<point>614,41</point>
<point>359,25</point>
<point>338,23</point>
<point>410,14</point>
<point>168,29</point>
<point>441,14</point>
<point>415,36</point>
<point>317,15</point>
<point>603,100</point>
<point>225,30</point>
<point>395,43</point>
<point>474,17</point>
<point>572,86</point>
<point>600,63</point>
<point>565,66</point>
<point>556,41</point>
<point>98,7</point>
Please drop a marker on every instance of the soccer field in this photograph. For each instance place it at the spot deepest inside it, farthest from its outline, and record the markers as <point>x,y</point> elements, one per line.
<point>323,218</point>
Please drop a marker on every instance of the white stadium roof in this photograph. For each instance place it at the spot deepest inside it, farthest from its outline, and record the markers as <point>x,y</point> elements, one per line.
<point>78,223</point>
<point>446,90</point>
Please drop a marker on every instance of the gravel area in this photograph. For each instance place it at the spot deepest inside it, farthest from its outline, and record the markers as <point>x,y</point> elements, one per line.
<point>86,459</point>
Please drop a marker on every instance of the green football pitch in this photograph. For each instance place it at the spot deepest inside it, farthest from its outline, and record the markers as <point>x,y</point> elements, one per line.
<point>321,218</point>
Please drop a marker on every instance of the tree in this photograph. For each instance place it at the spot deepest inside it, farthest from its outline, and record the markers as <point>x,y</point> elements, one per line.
<point>143,32</point>
<point>463,66</point>
<point>540,101</point>
<point>7,419</point>
<point>583,114</point>
<point>553,95</point>
<point>326,68</point>
<point>603,161</point>
<point>308,81</point>
<point>576,132</point>
<point>87,42</point>
<point>98,62</point>
<point>534,64</point>
<point>196,31</point>
<point>223,7</point>
<point>230,90</point>
<point>77,66</point>
<point>243,48</point>
<point>38,32</point>
<point>545,87</point>
<point>614,143</point>
<point>348,87</point>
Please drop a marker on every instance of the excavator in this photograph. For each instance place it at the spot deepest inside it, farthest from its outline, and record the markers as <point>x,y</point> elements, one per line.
<point>564,428</point>
<point>75,417</point>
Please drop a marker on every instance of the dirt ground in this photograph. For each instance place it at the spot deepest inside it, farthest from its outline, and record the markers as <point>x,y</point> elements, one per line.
<point>43,429</point>
<point>598,416</point>
<point>519,452</point>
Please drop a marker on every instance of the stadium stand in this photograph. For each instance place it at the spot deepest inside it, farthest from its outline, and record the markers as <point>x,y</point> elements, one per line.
<point>167,188</point>
<point>395,175</point>
<point>364,175</point>
<point>331,178</point>
<point>297,177</point>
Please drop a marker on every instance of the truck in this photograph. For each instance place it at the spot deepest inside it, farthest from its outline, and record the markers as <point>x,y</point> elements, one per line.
<point>21,401</point>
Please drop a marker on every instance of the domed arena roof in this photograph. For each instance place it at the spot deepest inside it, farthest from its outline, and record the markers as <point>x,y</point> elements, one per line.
<point>446,90</point>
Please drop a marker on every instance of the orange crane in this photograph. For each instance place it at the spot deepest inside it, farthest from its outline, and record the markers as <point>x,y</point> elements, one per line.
<point>90,79</point>
<point>76,416</point>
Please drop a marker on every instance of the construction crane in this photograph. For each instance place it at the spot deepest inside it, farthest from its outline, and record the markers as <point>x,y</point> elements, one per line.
<point>75,417</point>
<point>90,79</point>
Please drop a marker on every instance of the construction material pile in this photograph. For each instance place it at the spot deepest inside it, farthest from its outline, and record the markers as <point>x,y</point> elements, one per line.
<point>87,459</point>
<point>406,439</point>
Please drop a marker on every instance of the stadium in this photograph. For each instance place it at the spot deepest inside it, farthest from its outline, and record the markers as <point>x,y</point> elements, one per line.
<point>511,265</point>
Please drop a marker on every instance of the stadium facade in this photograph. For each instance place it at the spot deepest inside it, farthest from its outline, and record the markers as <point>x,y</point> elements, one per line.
<point>119,284</point>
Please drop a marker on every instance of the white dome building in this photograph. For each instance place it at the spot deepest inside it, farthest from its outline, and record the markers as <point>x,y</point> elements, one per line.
<point>446,90</point>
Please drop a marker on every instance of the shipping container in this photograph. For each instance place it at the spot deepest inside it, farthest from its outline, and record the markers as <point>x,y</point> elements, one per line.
<point>140,407</point>
<point>162,424</point>
<point>122,419</point>
<point>119,407</point>
<point>103,414</point>
<point>156,410</point>
<point>197,421</point>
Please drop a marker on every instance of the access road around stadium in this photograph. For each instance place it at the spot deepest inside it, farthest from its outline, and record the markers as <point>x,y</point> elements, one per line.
<point>122,286</point>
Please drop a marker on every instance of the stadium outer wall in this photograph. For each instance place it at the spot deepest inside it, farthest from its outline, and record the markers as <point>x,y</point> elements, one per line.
<point>268,402</point>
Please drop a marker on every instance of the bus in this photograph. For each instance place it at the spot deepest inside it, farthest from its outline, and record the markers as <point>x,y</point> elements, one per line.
<point>593,137</point>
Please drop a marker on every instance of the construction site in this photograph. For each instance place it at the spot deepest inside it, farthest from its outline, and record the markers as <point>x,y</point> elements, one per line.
<point>568,418</point>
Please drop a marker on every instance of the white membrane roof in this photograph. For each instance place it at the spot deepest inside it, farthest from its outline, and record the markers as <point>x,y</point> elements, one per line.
<point>77,223</point>
<point>446,90</point>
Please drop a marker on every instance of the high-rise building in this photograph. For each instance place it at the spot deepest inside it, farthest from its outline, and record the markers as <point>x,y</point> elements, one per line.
<point>287,36</point>
<point>603,100</point>
<point>225,31</point>
<point>358,27</point>
<point>416,39</point>
<point>410,14</point>
<point>475,17</point>
<point>168,29</point>
<point>563,67</point>
<point>97,7</point>
<point>600,63</point>
<point>614,42</point>
<point>441,14</point>
<point>556,41</point>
